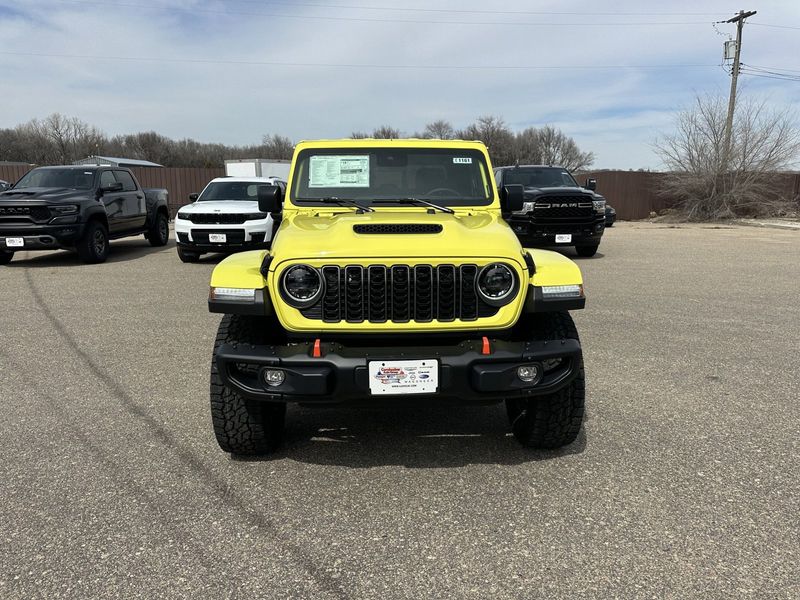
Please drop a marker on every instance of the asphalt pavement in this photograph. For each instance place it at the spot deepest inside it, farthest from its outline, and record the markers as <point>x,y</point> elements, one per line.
<point>685,482</point>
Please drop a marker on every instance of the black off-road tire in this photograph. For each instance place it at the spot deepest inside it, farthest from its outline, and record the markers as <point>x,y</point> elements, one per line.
<point>5,257</point>
<point>187,256</point>
<point>158,233</point>
<point>587,251</point>
<point>242,426</point>
<point>554,420</point>
<point>93,246</point>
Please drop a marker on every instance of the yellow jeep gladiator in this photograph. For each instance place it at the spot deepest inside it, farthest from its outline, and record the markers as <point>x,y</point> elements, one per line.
<point>393,277</point>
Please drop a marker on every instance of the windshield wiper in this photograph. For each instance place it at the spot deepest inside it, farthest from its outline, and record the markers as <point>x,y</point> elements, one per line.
<point>416,201</point>
<point>347,201</point>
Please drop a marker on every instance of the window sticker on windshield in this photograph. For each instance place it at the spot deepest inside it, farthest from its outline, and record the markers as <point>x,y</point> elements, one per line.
<point>462,160</point>
<point>339,171</point>
<point>88,173</point>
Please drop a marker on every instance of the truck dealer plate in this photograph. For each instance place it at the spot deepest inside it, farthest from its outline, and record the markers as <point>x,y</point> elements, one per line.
<point>15,242</point>
<point>563,238</point>
<point>217,238</point>
<point>403,376</point>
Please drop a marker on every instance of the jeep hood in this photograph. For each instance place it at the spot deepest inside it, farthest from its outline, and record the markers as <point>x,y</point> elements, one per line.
<point>333,236</point>
<point>228,207</point>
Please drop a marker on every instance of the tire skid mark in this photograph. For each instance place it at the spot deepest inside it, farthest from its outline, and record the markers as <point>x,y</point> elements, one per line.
<point>135,489</point>
<point>208,478</point>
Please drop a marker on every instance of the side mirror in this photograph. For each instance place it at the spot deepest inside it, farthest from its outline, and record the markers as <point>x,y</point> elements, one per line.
<point>512,197</point>
<point>193,197</point>
<point>591,184</point>
<point>269,199</point>
<point>110,188</point>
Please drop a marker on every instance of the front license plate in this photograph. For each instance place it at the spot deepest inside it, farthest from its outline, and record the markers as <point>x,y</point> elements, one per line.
<point>563,238</point>
<point>217,238</point>
<point>15,242</point>
<point>403,376</point>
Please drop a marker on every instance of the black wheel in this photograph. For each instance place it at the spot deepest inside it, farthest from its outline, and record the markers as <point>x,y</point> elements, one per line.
<point>611,224</point>
<point>93,246</point>
<point>587,250</point>
<point>5,257</point>
<point>553,420</point>
<point>242,426</point>
<point>186,256</point>
<point>158,234</point>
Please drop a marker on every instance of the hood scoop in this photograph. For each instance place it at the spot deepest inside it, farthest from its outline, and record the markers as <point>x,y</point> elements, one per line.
<point>397,228</point>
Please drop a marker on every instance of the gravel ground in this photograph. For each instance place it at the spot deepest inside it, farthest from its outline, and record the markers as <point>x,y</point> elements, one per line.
<point>684,483</point>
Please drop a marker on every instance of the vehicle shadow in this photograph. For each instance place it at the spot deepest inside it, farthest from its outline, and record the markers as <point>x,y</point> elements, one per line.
<point>120,251</point>
<point>413,437</point>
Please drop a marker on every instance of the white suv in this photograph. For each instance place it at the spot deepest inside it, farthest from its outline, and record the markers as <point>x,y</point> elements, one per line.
<point>224,217</point>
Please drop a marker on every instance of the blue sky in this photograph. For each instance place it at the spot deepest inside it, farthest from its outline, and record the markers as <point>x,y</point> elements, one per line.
<point>235,70</point>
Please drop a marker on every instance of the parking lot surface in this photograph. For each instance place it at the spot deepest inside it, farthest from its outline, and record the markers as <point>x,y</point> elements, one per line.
<point>684,484</point>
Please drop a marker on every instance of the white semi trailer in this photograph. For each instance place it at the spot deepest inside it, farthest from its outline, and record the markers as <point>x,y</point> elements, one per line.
<point>257,167</point>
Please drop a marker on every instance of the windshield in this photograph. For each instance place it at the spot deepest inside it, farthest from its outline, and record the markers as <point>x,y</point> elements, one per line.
<point>76,179</point>
<point>231,190</point>
<point>539,177</point>
<point>444,176</point>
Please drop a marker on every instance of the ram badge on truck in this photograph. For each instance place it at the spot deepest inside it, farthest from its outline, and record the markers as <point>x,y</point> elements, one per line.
<point>393,276</point>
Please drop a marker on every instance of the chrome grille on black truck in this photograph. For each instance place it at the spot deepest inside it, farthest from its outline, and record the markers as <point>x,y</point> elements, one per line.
<point>399,293</point>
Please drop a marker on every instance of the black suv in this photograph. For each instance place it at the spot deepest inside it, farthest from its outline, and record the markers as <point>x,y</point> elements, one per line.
<point>557,211</point>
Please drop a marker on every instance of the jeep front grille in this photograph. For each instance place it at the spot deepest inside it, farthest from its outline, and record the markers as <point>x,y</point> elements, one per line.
<point>399,293</point>
<point>223,218</point>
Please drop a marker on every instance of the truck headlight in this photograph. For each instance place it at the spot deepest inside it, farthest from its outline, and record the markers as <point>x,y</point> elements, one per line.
<point>301,286</point>
<point>496,284</point>
<point>67,209</point>
<point>557,292</point>
<point>223,294</point>
<point>599,206</point>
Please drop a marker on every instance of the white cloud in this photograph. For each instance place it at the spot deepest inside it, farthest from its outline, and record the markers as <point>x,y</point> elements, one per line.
<point>614,112</point>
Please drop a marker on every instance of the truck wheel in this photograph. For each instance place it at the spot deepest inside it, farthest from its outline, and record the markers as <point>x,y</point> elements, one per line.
<point>5,257</point>
<point>587,250</point>
<point>158,233</point>
<point>93,246</point>
<point>242,426</point>
<point>553,420</point>
<point>186,256</point>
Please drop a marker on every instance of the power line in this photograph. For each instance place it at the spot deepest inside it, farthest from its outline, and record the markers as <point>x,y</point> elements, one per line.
<point>476,11</point>
<point>349,65</point>
<point>306,17</point>
<point>775,26</point>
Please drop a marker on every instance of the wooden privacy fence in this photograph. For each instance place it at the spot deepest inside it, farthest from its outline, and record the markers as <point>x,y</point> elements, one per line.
<point>631,193</point>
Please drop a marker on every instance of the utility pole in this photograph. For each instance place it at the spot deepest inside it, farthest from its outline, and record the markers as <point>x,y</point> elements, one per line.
<point>739,20</point>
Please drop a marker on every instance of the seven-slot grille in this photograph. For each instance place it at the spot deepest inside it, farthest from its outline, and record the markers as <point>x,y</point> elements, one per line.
<point>562,207</point>
<point>399,293</point>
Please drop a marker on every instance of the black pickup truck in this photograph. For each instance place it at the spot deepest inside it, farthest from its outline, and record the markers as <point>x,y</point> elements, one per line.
<point>556,210</point>
<point>81,208</point>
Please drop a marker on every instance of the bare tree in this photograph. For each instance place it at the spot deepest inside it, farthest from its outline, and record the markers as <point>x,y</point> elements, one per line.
<point>497,136</point>
<point>386,132</point>
<point>706,183</point>
<point>278,146</point>
<point>359,135</point>
<point>550,146</point>
<point>439,129</point>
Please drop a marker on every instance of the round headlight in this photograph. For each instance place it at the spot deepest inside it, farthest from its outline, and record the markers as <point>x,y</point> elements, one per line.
<point>301,286</point>
<point>496,284</point>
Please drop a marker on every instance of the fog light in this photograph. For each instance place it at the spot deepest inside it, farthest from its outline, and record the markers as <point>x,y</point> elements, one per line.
<point>273,377</point>
<point>529,373</point>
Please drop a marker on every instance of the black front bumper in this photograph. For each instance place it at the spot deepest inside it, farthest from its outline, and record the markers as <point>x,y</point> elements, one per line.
<point>535,233</point>
<point>340,373</point>
<point>40,237</point>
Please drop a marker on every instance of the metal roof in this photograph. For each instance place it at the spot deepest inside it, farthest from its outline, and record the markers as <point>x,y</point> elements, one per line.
<point>116,161</point>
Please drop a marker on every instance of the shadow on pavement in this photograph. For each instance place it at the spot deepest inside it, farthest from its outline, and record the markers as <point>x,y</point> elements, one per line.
<point>120,251</point>
<point>413,437</point>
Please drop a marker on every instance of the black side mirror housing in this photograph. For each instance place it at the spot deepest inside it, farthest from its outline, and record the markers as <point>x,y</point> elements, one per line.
<point>193,197</point>
<point>591,184</point>
<point>269,199</point>
<point>110,188</point>
<point>512,197</point>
